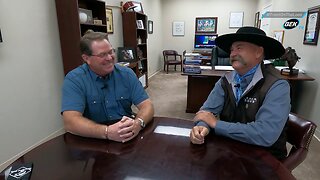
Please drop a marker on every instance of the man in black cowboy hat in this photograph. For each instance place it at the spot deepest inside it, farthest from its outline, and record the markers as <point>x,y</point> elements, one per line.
<point>252,103</point>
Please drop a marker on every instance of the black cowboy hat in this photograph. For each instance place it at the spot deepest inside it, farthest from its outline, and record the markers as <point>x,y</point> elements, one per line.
<point>272,48</point>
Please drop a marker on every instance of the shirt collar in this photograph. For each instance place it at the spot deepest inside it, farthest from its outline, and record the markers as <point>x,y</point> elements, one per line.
<point>96,76</point>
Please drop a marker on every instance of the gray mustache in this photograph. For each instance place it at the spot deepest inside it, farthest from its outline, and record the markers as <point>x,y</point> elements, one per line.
<point>238,58</point>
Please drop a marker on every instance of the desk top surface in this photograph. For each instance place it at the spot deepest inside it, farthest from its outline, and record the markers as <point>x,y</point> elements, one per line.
<point>152,156</point>
<point>299,77</point>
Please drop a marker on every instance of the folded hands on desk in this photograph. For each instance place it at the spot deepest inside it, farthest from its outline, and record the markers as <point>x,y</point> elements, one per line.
<point>198,133</point>
<point>124,130</point>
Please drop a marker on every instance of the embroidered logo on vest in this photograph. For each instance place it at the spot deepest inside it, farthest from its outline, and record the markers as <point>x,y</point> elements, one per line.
<point>250,100</point>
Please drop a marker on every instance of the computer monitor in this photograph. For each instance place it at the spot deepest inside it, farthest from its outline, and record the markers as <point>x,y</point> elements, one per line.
<point>204,41</point>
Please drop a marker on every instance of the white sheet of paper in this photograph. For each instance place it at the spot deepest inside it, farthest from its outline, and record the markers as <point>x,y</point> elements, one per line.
<point>206,67</point>
<point>223,68</point>
<point>192,54</point>
<point>170,130</point>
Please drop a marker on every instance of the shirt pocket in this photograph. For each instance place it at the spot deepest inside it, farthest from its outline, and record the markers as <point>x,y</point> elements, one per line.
<point>124,103</point>
<point>95,108</point>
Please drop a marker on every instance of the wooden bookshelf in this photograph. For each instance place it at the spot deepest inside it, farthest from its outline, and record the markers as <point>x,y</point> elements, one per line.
<point>71,30</point>
<point>136,38</point>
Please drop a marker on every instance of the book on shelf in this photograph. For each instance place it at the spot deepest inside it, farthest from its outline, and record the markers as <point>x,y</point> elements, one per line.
<point>192,61</point>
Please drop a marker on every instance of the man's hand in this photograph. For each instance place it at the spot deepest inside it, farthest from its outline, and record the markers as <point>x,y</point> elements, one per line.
<point>124,130</point>
<point>198,133</point>
<point>206,117</point>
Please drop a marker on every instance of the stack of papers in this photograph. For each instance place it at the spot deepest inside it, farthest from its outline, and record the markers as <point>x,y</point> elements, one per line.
<point>282,67</point>
<point>223,68</point>
<point>192,54</point>
<point>206,67</point>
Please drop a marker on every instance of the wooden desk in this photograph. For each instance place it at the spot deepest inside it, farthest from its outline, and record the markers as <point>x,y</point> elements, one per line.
<point>152,156</point>
<point>200,86</point>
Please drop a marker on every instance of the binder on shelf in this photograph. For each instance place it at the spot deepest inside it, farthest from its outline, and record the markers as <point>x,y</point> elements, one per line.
<point>193,69</point>
<point>192,61</point>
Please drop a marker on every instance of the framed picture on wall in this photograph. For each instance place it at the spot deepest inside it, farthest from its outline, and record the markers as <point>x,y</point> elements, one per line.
<point>311,32</point>
<point>256,19</point>
<point>236,19</point>
<point>206,24</point>
<point>109,20</point>
<point>150,27</point>
<point>178,28</point>
<point>0,36</point>
<point>278,35</point>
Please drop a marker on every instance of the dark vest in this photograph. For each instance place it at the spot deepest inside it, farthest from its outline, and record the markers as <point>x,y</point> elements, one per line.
<point>250,103</point>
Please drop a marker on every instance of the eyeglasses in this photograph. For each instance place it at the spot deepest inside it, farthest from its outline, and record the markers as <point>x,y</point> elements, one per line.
<point>105,54</point>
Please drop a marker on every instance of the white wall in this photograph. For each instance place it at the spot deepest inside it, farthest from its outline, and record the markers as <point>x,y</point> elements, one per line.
<point>153,10</point>
<point>116,39</point>
<point>188,10</point>
<point>155,40</point>
<point>31,75</point>
<point>309,98</point>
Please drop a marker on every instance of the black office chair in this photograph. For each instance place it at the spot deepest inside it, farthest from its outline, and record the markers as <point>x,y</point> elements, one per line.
<point>219,57</point>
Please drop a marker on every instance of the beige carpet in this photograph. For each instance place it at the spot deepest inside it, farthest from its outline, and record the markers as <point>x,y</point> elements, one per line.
<point>168,93</point>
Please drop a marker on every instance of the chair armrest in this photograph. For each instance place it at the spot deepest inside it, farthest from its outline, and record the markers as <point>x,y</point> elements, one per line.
<point>295,158</point>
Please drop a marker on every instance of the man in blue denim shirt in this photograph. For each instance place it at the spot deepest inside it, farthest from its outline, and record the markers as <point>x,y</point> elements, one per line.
<point>252,103</point>
<point>97,96</point>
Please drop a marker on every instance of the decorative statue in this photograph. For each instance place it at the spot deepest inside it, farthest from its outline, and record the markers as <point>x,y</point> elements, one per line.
<point>291,57</point>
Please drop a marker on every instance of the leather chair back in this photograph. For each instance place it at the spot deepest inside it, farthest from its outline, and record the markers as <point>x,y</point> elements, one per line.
<point>169,53</point>
<point>299,134</point>
<point>219,57</point>
<point>171,57</point>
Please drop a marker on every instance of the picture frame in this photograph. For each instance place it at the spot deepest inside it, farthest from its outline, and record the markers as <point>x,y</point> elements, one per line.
<point>206,24</point>
<point>178,28</point>
<point>311,33</point>
<point>256,19</point>
<point>259,23</point>
<point>126,54</point>
<point>137,7</point>
<point>85,16</point>
<point>236,19</point>
<point>140,24</point>
<point>150,27</point>
<point>109,16</point>
<point>278,35</point>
